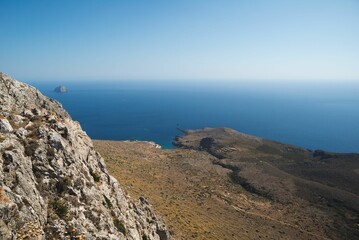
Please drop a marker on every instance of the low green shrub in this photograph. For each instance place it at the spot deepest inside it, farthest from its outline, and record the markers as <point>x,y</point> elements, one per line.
<point>119,225</point>
<point>60,208</point>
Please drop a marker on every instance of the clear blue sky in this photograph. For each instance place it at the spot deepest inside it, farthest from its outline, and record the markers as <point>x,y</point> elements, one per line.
<point>184,39</point>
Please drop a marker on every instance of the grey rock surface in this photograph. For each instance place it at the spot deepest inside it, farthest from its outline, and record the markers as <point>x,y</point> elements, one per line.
<point>5,126</point>
<point>53,184</point>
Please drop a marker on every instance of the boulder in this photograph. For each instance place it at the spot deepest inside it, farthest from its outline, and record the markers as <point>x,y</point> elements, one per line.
<point>5,126</point>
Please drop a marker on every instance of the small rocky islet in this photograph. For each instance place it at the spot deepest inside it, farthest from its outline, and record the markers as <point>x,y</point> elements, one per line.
<point>61,89</point>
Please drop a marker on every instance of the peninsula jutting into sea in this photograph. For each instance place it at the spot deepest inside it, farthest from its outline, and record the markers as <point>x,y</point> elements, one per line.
<point>215,183</point>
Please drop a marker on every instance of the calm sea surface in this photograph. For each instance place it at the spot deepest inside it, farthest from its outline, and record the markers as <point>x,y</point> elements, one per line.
<point>315,116</point>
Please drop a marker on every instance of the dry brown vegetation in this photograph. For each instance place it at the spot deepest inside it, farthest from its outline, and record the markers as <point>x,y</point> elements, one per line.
<point>180,191</point>
<point>200,199</point>
<point>3,198</point>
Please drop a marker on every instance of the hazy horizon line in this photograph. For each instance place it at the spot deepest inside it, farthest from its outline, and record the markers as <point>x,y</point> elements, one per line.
<point>173,79</point>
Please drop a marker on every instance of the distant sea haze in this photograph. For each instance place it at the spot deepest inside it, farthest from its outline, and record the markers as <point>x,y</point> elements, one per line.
<point>311,115</point>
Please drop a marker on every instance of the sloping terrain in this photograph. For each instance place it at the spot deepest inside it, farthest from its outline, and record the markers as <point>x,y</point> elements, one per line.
<point>221,184</point>
<point>53,184</point>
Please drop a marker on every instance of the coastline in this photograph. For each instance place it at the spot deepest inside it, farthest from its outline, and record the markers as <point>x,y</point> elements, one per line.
<point>200,192</point>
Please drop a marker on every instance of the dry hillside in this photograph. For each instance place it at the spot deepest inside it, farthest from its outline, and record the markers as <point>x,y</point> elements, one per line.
<point>221,184</point>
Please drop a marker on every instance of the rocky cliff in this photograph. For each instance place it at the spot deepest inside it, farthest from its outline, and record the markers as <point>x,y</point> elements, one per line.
<point>53,184</point>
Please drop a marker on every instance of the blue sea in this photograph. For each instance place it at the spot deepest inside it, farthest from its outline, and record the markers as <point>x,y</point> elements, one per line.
<point>319,115</point>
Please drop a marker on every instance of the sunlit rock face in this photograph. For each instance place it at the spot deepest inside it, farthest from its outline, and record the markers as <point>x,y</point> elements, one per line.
<point>53,184</point>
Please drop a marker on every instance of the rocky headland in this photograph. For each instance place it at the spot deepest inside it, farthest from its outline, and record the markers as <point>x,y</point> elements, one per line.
<point>222,184</point>
<point>53,183</point>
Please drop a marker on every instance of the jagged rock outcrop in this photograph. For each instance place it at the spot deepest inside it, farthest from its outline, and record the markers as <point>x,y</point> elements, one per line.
<point>53,184</point>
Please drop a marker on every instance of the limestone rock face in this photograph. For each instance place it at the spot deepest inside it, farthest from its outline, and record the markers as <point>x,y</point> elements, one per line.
<point>53,184</point>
